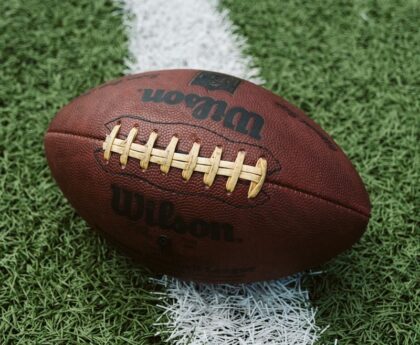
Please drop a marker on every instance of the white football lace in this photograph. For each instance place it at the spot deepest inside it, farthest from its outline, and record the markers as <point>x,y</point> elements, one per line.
<point>188,163</point>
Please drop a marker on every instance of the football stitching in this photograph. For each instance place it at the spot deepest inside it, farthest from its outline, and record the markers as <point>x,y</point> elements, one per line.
<point>188,163</point>
<point>274,168</point>
<point>276,184</point>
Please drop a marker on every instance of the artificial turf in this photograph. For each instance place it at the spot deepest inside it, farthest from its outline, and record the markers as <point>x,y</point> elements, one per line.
<point>354,66</point>
<point>59,283</point>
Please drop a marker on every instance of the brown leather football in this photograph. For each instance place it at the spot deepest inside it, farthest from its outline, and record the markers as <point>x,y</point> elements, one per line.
<point>206,177</point>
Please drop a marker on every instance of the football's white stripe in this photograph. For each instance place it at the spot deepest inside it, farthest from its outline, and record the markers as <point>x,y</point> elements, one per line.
<point>198,34</point>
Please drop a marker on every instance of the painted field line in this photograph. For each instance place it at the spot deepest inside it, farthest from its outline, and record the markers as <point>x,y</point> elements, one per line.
<point>167,34</point>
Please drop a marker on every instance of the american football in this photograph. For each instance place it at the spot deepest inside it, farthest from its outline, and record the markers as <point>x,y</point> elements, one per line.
<point>206,177</point>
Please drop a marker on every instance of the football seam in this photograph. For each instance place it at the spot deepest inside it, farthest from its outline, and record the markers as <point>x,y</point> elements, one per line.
<point>319,197</point>
<point>272,183</point>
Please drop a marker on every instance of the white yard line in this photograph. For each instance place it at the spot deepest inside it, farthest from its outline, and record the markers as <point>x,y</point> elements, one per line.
<point>184,34</point>
<point>197,34</point>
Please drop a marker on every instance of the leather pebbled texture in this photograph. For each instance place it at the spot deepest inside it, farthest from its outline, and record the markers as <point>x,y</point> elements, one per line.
<point>312,206</point>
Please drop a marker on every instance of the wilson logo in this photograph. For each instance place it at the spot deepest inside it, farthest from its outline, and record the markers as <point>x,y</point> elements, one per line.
<point>236,118</point>
<point>136,207</point>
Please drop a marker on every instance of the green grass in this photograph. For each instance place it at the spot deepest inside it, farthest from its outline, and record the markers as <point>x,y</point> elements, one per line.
<point>354,66</point>
<point>59,284</point>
